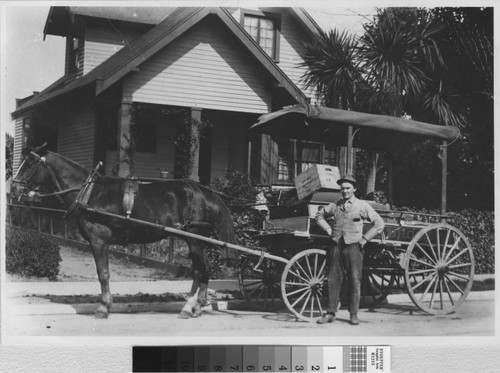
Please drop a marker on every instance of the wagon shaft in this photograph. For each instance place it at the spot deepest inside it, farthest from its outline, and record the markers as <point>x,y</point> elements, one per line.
<point>184,234</point>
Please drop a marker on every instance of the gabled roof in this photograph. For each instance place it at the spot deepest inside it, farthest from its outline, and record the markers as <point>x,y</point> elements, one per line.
<point>60,17</point>
<point>172,26</point>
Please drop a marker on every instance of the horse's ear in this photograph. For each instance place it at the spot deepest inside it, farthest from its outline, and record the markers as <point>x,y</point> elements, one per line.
<point>40,149</point>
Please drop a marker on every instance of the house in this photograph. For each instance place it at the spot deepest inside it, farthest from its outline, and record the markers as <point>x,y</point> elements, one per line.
<point>184,84</point>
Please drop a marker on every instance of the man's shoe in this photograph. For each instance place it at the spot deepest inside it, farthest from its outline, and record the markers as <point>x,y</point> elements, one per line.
<point>327,317</point>
<point>354,319</point>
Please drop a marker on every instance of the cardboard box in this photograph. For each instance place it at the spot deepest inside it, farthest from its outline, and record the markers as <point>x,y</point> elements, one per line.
<point>320,176</point>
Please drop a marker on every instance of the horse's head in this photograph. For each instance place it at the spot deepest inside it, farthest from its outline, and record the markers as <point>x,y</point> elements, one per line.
<point>32,175</point>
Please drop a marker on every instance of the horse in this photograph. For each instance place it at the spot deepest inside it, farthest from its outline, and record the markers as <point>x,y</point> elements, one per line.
<point>182,204</point>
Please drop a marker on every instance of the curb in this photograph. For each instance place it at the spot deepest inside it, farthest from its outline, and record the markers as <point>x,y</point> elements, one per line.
<point>24,308</point>
<point>134,307</point>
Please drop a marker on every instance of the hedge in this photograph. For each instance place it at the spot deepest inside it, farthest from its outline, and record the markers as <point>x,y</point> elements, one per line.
<point>31,254</point>
<point>479,228</point>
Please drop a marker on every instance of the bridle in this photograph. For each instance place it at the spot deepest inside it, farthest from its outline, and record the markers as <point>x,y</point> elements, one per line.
<point>25,181</point>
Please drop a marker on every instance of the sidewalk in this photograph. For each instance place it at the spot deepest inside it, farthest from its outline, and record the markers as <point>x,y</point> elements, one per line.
<point>30,297</point>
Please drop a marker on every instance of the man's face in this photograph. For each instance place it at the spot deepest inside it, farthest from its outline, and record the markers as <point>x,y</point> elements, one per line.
<point>347,190</point>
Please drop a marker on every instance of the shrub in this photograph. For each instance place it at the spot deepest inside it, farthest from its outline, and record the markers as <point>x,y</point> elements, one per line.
<point>239,193</point>
<point>31,254</point>
<point>479,228</point>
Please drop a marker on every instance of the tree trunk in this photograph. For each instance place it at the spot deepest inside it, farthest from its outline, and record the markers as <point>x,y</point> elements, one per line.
<point>372,176</point>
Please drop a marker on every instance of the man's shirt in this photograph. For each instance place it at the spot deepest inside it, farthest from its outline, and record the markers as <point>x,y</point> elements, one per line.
<point>349,216</point>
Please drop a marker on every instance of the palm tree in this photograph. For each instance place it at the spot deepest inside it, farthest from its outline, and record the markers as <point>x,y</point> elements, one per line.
<point>333,68</point>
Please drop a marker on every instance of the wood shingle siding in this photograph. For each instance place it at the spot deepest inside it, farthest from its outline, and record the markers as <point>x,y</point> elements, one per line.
<point>291,49</point>
<point>76,136</point>
<point>101,42</point>
<point>227,80</point>
<point>292,37</point>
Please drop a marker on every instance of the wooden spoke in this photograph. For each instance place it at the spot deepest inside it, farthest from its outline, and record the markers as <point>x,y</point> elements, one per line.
<point>316,274</point>
<point>311,272</point>
<point>438,244</point>
<point>299,276</point>
<point>428,287</point>
<point>298,291</point>
<point>296,284</point>
<point>421,271</point>
<point>449,292</point>
<point>259,287</point>
<point>433,293</point>
<point>422,282</point>
<point>456,256</point>
<point>319,303</point>
<point>431,247</point>
<point>304,301</point>
<point>441,294</point>
<point>449,277</point>
<point>466,278</point>
<point>455,245</point>
<point>448,232</point>
<point>425,253</point>
<point>303,271</point>
<point>299,299</point>
<point>454,284</point>
<point>424,263</point>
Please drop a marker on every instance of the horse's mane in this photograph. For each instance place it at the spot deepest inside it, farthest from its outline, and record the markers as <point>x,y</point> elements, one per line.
<point>69,161</point>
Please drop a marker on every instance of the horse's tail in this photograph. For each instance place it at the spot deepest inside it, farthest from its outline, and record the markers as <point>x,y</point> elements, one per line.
<point>224,226</point>
<point>222,219</point>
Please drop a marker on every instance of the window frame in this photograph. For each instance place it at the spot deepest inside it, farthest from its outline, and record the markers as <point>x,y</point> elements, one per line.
<point>276,18</point>
<point>295,153</point>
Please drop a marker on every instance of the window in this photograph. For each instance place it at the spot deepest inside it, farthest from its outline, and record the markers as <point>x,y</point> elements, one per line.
<point>26,133</point>
<point>285,161</point>
<point>295,157</point>
<point>264,29</point>
<point>308,155</point>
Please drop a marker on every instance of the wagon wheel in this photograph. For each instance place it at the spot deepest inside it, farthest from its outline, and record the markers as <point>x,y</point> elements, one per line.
<point>378,278</point>
<point>439,269</point>
<point>376,285</point>
<point>303,284</point>
<point>261,289</point>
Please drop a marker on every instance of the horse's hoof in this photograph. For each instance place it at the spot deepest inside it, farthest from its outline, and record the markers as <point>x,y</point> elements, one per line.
<point>101,315</point>
<point>102,312</point>
<point>197,313</point>
<point>184,315</point>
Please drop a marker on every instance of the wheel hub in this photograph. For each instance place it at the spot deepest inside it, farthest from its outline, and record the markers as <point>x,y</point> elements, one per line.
<point>442,270</point>
<point>315,286</point>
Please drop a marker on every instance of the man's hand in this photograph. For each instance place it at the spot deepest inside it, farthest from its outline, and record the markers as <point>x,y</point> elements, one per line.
<point>362,242</point>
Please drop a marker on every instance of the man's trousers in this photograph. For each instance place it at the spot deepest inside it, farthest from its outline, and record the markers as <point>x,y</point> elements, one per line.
<point>348,258</point>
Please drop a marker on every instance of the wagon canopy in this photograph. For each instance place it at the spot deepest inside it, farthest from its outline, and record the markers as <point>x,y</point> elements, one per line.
<point>328,125</point>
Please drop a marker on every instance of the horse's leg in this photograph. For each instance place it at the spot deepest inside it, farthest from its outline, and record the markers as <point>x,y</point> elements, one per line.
<point>200,281</point>
<point>101,253</point>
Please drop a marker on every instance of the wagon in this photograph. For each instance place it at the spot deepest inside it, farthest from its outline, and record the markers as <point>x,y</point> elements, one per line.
<point>430,259</point>
<point>419,254</point>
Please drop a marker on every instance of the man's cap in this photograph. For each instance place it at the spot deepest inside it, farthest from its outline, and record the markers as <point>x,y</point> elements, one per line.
<point>348,178</point>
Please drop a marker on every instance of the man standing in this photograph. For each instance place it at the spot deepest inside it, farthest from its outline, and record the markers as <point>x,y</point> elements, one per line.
<point>348,242</point>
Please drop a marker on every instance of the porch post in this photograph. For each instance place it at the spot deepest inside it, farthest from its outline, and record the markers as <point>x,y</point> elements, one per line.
<point>444,174</point>
<point>349,167</point>
<point>123,137</point>
<point>195,171</point>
